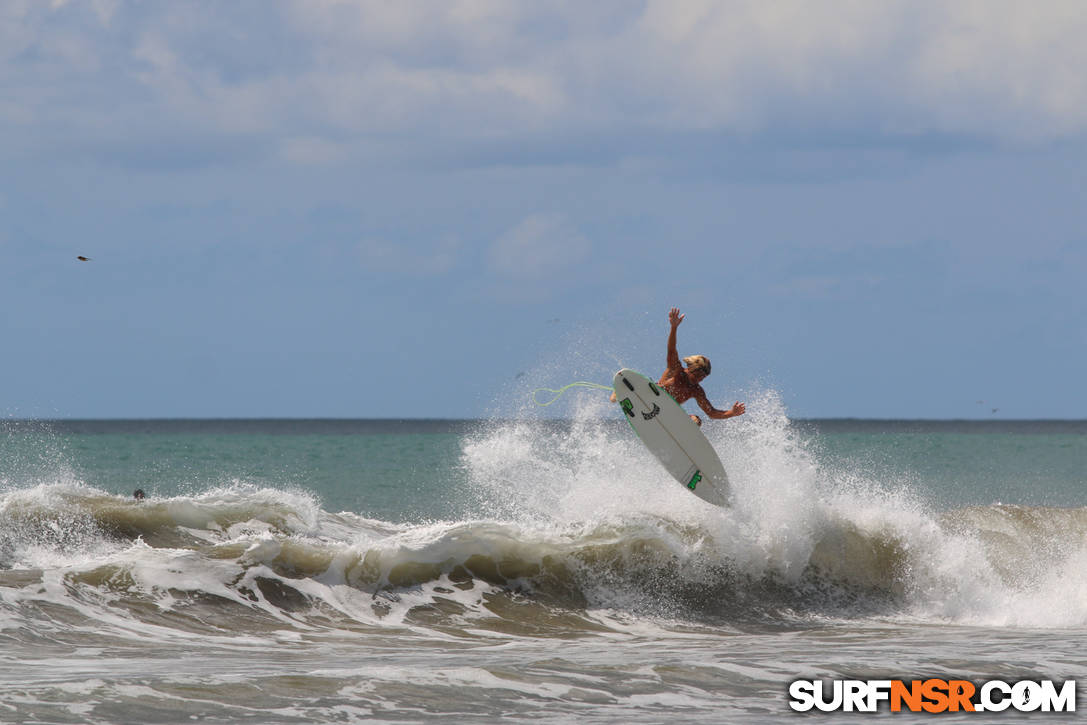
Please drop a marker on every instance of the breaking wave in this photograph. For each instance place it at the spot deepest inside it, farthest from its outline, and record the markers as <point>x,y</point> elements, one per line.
<point>573,531</point>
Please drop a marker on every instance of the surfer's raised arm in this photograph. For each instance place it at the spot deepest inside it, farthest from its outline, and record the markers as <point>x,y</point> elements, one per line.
<point>674,317</point>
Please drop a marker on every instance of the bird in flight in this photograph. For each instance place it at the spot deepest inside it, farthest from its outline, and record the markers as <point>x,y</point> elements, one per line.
<point>83,259</point>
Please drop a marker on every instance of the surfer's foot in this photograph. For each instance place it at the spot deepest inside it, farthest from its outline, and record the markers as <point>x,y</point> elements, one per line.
<point>697,420</point>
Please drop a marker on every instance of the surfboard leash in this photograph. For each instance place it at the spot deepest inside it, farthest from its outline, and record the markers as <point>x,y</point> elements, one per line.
<point>556,394</point>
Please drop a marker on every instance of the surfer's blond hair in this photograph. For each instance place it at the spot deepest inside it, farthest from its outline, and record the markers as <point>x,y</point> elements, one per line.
<point>695,362</point>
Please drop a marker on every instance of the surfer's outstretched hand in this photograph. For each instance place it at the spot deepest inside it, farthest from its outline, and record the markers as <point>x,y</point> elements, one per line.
<point>675,317</point>
<point>738,408</point>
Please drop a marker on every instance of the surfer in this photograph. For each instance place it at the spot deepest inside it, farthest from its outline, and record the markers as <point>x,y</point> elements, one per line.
<point>684,383</point>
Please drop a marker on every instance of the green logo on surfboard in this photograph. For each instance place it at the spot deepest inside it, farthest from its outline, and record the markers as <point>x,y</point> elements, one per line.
<point>694,480</point>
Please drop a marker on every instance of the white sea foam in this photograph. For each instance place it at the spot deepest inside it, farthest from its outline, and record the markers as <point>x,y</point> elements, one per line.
<point>575,516</point>
<point>791,512</point>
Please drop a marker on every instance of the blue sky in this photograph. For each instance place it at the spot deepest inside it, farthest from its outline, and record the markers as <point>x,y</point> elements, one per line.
<point>427,209</point>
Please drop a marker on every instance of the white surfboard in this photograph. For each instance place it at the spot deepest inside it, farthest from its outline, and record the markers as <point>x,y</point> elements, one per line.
<point>670,435</point>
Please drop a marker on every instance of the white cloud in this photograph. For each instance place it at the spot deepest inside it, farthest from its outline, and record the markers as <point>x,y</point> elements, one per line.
<point>412,260</point>
<point>1006,68</point>
<point>540,247</point>
<point>467,70</point>
<point>309,150</point>
<point>994,68</point>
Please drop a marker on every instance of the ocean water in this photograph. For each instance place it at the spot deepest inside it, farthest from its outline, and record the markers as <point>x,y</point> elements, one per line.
<point>527,570</point>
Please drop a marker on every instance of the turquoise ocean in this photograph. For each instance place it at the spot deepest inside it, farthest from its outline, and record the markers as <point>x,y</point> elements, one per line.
<point>291,571</point>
